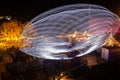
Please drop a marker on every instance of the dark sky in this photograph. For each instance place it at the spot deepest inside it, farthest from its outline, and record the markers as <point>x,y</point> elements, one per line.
<point>32,8</point>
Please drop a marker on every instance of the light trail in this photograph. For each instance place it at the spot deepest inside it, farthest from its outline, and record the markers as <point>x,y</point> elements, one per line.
<point>59,32</point>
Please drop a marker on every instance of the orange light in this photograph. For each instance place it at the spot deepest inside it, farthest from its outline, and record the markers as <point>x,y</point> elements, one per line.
<point>112,41</point>
<point>75,34</point>
<point>61,74</point>
<point>80,36</point>
<point>10,34</point>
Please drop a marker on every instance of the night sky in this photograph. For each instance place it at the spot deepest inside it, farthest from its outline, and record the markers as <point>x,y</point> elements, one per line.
<point>32,8</point>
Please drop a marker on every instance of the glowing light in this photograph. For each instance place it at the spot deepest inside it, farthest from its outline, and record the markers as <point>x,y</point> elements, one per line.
<point>76,36</point>
<point>10,34</point>
<point>61,74</point>
<point>69,31</point>
<point>112,42</point>
<point>5,17</point>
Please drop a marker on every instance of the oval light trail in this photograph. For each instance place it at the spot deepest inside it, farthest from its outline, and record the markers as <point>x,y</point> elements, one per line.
<point>69,31</point>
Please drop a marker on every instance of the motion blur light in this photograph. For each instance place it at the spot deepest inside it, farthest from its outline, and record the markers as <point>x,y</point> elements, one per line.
<point>69,31</point>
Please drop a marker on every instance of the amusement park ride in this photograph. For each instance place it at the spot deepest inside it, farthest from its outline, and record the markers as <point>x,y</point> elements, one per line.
<point>63,33</point>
